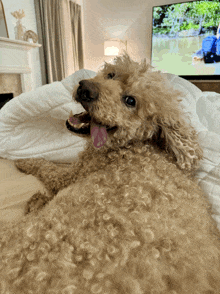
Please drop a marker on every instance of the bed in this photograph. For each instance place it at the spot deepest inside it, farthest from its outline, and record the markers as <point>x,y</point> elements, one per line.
<point>33,125</point>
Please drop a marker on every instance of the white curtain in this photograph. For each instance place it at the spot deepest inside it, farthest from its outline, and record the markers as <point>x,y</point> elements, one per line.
<point>56,35</point>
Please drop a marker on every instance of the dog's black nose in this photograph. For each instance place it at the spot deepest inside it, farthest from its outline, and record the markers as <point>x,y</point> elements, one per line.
<point>87,91</point>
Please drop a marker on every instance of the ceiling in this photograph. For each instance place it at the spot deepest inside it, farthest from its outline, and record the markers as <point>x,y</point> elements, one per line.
<point>120,8</point>
<point>114,17</point>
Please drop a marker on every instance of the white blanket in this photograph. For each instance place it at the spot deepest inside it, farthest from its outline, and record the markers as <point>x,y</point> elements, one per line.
<point>204,111</point>
<point>33,124</point>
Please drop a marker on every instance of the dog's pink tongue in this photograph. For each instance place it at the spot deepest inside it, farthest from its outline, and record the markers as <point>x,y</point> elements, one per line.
<point>74,120</point>
<point>99,135</point>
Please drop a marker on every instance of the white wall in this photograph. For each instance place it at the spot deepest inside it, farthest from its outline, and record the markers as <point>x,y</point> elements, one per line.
<point>29,21</point>
<point>103,20</point>
<point>131,20</point>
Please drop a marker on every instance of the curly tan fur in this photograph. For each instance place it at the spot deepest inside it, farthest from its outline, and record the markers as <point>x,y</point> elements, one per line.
<point>129,217</point>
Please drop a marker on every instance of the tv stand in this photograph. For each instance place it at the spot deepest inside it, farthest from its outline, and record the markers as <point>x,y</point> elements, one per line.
<point>208,86</point>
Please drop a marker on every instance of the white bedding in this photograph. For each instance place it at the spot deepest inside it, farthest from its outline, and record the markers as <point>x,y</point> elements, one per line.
<point>33,125</point>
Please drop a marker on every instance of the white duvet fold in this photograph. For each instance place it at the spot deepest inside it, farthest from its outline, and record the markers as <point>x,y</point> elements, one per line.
<point>33,124</point>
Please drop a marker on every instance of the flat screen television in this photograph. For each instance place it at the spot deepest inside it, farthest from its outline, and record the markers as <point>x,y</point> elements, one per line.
<point>186,39</point>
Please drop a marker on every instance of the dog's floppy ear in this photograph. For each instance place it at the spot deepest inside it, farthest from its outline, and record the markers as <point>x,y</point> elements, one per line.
<point>168,125</point>
<point>179,138</point>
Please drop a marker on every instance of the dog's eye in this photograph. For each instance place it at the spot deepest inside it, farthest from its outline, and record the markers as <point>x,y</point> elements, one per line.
<point>130,101</point>
<point>111,75</point>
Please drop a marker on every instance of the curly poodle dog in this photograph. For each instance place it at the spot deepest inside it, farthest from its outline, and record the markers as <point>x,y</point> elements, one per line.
<point>128,216</point>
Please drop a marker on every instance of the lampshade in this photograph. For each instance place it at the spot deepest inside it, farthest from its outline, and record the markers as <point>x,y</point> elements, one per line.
<point>114,47</point>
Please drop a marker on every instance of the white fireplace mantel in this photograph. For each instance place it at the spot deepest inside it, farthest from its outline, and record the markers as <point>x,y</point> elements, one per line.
<point>15,57</point>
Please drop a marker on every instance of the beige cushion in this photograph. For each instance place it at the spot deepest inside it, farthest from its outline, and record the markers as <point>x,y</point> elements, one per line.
<point>15,189</point>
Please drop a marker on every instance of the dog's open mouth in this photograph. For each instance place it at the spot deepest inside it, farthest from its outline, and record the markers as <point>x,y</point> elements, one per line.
<point>79,123</point>
<point>83,124</point>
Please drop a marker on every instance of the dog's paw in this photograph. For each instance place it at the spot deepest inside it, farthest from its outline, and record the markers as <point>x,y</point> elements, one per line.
<point>29,165</point>
<point>36,202</point>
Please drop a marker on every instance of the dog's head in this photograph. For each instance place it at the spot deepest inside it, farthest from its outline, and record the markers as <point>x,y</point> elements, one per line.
<point>128,102</point>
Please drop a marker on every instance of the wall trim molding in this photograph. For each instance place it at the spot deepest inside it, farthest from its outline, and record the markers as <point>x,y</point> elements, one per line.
<point>16,59</point>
